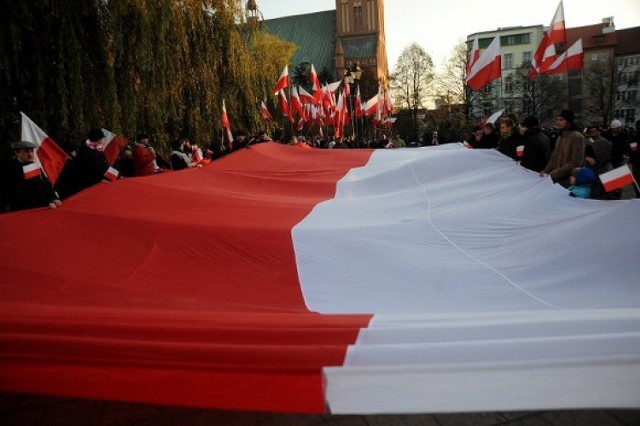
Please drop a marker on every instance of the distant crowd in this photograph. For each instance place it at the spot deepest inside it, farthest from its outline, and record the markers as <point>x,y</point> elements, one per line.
<point>571,156</point>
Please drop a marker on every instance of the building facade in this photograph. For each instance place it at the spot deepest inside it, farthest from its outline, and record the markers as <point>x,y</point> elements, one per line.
<point>337,40</point>
<point>605,88</point>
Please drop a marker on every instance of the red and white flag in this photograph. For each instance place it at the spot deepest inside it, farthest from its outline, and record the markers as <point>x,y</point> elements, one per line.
<point>388,102</point>
<point>111,174</point>
<point>633,146</point>
<point>371,106</point>
<point>571,59</point>
<point>473,55</point>
<point>283,81</point>
<point>226,126</point>
<point>313,77</point>
<point>113,145</point>
<point>545,54</point>
<point>617,178</point>
<point>264,112</point>
<point>49,156</point>
<point>284,105</point>
<point>296,105</point>
<point>31,170</point>
<point>358,107</point>
<point>487,68</point>
<point>388,122</point>
<point>306,97</point>
<point>520,151</point>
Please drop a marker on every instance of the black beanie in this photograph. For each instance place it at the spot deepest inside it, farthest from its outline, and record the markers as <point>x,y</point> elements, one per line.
<point>568,115</point>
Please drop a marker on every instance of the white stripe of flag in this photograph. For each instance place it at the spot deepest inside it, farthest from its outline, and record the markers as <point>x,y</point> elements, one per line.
<point>31,170</point>
<point>616,178</point>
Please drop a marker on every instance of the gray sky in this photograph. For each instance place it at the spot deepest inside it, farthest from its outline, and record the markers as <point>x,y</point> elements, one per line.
<point>439,26</point>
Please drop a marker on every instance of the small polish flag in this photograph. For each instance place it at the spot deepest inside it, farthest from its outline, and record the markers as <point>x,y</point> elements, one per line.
<point>616,178</point>
<point>31,170</point>
<point>633,146</point>
<point>111,174</point>
<point>520,151</point>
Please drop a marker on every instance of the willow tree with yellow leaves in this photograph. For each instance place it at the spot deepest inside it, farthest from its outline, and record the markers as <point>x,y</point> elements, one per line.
<point>161,67</point>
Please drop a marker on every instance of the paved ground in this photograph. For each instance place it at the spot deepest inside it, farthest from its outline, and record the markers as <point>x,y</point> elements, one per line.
<point>27,410</point>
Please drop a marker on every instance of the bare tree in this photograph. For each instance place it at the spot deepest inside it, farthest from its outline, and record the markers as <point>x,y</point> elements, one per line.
<point>411,79</point>
<point>598,83</point>
<point>449,83</point>
<point>541,96</point>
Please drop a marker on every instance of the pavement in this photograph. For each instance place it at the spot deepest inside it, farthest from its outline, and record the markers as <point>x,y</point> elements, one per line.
<point>34,410</point>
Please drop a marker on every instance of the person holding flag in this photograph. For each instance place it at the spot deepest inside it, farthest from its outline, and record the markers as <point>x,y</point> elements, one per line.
<point>91,162</point>
<point>26,185</point>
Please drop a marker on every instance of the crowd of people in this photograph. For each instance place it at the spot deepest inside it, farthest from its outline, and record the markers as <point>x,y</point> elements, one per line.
<point>570,156</point>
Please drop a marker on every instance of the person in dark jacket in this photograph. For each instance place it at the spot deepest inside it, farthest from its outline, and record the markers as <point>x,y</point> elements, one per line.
<point>509,139</point>
<point>26,186</point>
<point>91,163</point>
<point>490,138</point>
<point>536,151</point>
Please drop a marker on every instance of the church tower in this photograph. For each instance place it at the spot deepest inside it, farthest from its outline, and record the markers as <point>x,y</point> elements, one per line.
<point>361,39</point>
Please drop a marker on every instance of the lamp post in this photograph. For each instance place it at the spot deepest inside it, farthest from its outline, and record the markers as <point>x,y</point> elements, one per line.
<point>353,75</point>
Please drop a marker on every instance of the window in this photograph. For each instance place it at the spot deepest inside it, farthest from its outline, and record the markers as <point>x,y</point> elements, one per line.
<point>526,38</point>
<point>508,61</point>
<point>487,89</point>
<point>357,13</point>
<point>508,84</point>
<point>526,58</point>
<point>511,40</point>
<point>594,57</point>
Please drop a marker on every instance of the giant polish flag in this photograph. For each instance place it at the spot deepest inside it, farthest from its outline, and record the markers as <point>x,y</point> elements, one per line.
<point>487,68</point>
<point>348,281</point>
<point>48,154</point>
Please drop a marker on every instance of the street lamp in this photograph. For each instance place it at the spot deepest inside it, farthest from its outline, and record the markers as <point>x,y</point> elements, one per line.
<point>352,76</point>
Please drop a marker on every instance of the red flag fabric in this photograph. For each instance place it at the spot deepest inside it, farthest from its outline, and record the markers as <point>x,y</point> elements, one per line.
<point>545,54</point>
<point>371,106</point>
<point>617,178</point>
<point>283,81</point>
<point>49,156</point>
<point>31,170</point>
<point>571,59</point>
<point>487,68</point>
<point>313,77</point>
<point>113,145</point>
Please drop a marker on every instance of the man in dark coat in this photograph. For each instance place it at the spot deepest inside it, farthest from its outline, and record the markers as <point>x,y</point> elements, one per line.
<point>91,163</point>
<point>26,185</point>
<point>536,152</point>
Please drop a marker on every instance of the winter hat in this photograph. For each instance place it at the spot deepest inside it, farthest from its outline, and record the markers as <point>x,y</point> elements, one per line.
<point>568,115</point>
<point>615,124</point>
<point>23,145</point>
<point>584,176</point>
<point>95,135</point>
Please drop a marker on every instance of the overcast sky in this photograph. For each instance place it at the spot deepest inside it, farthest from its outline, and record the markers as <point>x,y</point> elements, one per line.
<point>439,25</point>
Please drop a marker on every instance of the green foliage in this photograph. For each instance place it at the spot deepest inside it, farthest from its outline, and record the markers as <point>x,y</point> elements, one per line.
<point>157,66</point>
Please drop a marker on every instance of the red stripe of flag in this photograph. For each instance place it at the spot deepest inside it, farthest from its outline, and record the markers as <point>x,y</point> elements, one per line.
<point>616,178</point>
